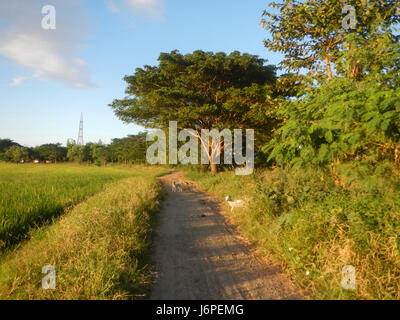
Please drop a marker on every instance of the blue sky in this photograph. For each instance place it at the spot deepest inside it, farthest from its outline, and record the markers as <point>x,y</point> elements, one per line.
<point>48,77</point>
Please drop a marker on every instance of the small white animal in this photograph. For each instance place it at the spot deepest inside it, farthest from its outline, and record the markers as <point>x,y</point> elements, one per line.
<point>234,203</point>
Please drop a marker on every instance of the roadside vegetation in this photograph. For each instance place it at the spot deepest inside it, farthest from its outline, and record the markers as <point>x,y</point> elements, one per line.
<point>304,221</point>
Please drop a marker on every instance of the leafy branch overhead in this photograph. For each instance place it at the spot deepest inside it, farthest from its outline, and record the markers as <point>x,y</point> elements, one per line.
<point>311,36</point>
<point>355,116</point>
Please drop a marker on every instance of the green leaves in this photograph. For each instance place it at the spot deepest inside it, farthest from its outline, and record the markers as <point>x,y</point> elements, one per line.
<point>329,136</point>
<point>206,90</point>
<point>200,89</point>
<point>339,121</point>
<point>355,116</point>
<point>310,34</point>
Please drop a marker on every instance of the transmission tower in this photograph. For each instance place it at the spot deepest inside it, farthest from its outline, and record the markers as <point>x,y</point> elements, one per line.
<point>80,135</point>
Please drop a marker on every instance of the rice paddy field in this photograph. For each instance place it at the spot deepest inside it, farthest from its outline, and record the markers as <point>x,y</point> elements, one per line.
<point>31,195</point>
<point>93,224</point>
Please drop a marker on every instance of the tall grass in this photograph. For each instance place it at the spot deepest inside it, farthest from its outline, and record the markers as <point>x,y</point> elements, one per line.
<point>98,249</point>
<point>304,221</point>
<point>32,195</point>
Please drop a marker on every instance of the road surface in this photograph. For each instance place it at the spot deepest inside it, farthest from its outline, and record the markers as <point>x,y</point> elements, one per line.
<point>199,256</point>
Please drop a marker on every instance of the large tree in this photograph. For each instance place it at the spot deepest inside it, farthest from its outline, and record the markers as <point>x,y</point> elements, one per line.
<point>100,153</point>
<point>129,149</point>
<point>16,154</point>
<point>311,33</point>
<point>203,90</point>
<point>7,143</point>
<point>356,115</point>
<point>80,154</point>
<point>52,151</point>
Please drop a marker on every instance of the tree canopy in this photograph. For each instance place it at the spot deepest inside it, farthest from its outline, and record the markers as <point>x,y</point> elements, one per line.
<point>310,33</point>
<point>16,154</point>
<point>52,151</point>
<point>356,115</point>
<point>203,90</point>
<point>6,144</point>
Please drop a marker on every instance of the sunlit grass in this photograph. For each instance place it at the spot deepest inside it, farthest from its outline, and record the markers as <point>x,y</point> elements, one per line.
<point>31,195</point>
<point>99,249</point>
<point>314,228</point>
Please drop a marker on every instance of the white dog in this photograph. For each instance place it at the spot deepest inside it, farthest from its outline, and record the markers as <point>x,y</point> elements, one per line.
<point>234,203</point>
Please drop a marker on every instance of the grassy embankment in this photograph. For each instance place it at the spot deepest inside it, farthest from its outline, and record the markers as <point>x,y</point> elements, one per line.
<point>98,248</point>
<point>307,223</point>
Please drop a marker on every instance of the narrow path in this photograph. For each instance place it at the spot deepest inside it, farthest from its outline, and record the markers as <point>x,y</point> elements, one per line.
<point>199,256</point>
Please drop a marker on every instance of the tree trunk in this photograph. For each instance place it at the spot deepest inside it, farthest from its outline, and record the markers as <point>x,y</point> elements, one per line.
<point>356,70</point>
<point>328,68</point>
<point>214,168</point>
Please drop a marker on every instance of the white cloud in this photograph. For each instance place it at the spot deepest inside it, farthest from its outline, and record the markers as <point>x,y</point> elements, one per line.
<point>49,54</point>
<point>151,8</point>
<point>17,81</point>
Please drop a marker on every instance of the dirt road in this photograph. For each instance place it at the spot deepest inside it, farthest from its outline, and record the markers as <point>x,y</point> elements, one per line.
<point>199,256</point>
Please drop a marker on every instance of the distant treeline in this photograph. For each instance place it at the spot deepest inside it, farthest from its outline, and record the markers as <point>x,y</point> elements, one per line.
<point>131,149</point>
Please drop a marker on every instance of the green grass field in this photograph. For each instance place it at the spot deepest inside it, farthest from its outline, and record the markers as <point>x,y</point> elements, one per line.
<point>32,195</point>
<point>98,244</point>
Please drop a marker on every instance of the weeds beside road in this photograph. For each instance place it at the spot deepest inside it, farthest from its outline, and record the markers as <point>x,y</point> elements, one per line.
<point>313,227</point>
